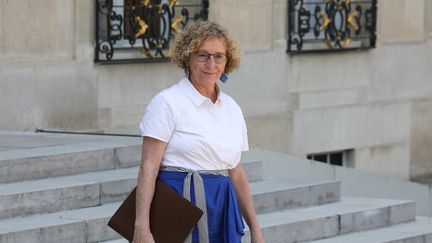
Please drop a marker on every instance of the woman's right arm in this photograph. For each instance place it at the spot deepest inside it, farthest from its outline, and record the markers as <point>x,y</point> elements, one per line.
<point>152,153</point>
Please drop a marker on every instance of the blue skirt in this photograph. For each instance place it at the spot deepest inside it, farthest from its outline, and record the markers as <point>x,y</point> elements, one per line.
<point>225,223</point>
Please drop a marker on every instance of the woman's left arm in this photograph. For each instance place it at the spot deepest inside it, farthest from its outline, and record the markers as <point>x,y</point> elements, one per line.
<point>244,196</point>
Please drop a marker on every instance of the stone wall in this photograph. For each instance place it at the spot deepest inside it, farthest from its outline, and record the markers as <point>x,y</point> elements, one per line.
<point>43,82</point>
<point>429,18</point>
<point>421,138</point>
<point>373,102</point>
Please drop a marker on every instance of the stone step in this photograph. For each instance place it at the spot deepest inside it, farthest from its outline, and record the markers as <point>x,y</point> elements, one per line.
<point>78,191</point>
<point>272,195</point>
<point>37,156</point>
<point>89,224</point>
<point>253,170</point>
<point>419,231</point>
<point>79,226</point>
<point>277,195</point>
<point>94,154</point>
<point>345,216</point>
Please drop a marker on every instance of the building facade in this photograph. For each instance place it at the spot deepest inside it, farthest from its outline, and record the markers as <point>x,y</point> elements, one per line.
<point>371,109</point>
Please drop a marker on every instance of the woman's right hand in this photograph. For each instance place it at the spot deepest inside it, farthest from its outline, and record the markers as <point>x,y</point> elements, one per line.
<point>152,153</point>
<point>143,236</point>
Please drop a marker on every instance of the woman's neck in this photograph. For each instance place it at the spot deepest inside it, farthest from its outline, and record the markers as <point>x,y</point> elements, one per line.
<point>210,91</point>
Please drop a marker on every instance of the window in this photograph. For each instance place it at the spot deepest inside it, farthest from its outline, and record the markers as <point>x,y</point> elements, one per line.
<point>141,30</point>
<point>341,158</point>
<point>331,25</point>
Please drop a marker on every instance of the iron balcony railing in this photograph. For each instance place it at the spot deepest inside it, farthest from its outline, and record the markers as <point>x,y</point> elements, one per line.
<point>331,25</point>
<point>130,31</point>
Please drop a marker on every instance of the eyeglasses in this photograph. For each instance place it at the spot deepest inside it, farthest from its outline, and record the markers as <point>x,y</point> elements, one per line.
<point>203,56</point>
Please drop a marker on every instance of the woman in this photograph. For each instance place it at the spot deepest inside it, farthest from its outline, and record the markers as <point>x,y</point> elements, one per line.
<point>193,132</point>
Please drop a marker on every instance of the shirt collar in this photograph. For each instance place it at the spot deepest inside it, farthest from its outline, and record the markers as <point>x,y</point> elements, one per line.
<point>193,93</point>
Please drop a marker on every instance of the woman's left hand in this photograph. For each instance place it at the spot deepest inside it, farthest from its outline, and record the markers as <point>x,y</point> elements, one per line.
<point>244,196</point>
<point>257,237</point>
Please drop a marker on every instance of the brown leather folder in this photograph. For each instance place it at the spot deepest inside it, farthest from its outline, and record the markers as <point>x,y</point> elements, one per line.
<point>172,217</point>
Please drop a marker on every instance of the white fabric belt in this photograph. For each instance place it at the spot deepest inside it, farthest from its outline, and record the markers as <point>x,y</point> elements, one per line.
<point>200,198</point>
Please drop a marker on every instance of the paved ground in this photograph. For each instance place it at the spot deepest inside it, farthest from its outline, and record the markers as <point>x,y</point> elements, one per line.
<point>12,141</point>
<point>18,144</point>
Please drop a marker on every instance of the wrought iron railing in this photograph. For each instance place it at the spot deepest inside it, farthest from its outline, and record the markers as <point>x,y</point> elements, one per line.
<point>331,25</point>
<point>130,31</point>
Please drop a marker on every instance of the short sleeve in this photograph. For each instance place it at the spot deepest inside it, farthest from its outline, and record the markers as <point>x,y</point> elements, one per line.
<point>245,143</point>
<point>158,120</point>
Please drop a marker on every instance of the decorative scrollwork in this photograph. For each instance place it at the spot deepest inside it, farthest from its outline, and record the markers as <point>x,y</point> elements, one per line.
<point>141,30</point>
<point>105,47</point>
<point>185,14</point>
<point>115,32</point>
<point>335,25</point>
<point>143,26</point>
<point>105,6</point>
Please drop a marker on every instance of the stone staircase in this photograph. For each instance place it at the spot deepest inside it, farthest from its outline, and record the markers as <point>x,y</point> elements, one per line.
<point>67,189</point>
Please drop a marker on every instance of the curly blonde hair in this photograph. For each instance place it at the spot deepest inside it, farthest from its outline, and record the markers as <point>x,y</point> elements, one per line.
<point>189,40</point>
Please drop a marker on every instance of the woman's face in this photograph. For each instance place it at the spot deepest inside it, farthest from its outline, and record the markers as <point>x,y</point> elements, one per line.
<point>209,71</point>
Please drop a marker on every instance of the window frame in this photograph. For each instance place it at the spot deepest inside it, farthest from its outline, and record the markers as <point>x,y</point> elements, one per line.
<point>154,24</point>
<point>314,30</point>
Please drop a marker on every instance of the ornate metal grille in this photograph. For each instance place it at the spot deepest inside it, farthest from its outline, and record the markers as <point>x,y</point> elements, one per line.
<point>141,30</point>
<point>331,25</point>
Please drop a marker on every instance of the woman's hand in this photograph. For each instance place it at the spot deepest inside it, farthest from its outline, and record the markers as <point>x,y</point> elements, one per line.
<point>142,236</point>
<point>257,237</point>
<point>152,153</point>
<point>244,196</point>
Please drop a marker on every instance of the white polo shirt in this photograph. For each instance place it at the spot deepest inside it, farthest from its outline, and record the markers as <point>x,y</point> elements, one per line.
<point>201,135</point>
